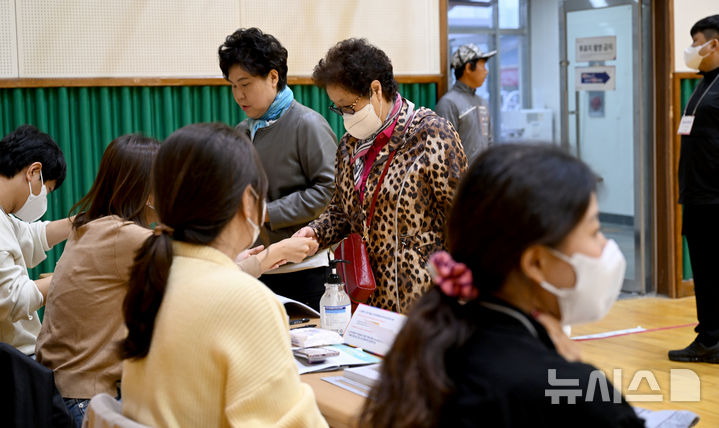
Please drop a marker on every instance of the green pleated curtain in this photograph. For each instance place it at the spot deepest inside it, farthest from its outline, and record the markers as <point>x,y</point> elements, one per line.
<point>84,120</point>
<point>686,87</point>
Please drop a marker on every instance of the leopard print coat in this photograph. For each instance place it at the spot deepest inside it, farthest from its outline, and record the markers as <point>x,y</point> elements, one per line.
<point>411,208</point>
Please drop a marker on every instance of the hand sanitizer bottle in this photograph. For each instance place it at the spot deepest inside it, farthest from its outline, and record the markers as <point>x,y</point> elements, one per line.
<point>335,305</point>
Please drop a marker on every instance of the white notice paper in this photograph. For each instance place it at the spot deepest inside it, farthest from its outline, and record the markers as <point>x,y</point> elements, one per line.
<point>603,48</point>
<point>373,329</point>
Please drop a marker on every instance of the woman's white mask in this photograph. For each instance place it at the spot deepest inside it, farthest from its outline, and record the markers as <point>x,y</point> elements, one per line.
<point>364,122</point>
<point>254,226</point>
<point>598,281</point>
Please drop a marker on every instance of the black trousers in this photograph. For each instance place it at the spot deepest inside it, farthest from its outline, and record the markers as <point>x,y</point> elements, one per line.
<point>701,228</point>
<point>306,286</point>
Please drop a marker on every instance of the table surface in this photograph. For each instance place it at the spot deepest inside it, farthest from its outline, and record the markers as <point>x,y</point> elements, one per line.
<point>339,406</point>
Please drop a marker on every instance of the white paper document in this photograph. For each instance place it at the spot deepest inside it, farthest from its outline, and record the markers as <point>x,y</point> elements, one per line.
<point>295,308</point>
<point>348,384</point>
<point>667,418</point>
<point>373,329</point>
<point>366,375</point>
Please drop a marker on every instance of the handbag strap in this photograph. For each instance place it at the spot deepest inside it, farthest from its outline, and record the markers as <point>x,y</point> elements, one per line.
<point>376,190</point>
<point>386,167</point>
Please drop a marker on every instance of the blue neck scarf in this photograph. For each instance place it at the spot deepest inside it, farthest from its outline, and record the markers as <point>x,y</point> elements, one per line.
<point>280,105</point>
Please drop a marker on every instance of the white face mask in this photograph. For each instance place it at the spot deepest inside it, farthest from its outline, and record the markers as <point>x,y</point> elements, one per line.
<point>254,226</point>
<point>692,57</point>
<point>597,285</point>
<point>363,123</point>
<point>35,206</point>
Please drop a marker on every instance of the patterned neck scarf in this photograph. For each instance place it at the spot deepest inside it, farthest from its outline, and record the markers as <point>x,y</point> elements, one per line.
<point>363,146</point>
<point>280,105</point>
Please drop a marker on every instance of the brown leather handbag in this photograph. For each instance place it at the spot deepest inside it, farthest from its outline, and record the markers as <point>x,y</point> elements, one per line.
<point>357,274</point>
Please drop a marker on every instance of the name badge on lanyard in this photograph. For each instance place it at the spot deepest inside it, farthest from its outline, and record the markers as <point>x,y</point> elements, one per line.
<point>687,122</point>
<point>685,125</point>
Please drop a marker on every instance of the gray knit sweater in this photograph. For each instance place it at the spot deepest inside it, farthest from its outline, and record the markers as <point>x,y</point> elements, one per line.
<point>298,154</point>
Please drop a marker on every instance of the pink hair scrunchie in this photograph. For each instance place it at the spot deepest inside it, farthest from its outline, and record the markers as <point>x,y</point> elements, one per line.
<point>453,278</point>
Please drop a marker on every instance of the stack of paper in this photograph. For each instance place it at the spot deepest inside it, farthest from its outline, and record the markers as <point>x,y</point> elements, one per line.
<point>667,418</point>
<point>366,375</point>
<point>310,337</point>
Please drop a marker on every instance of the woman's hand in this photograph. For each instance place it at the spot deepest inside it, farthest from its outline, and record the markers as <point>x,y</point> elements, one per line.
<point>259,260</point>
<point>249,252</point>
<point>294,249</point>
<point>306,232</point>
<point>566,347</point>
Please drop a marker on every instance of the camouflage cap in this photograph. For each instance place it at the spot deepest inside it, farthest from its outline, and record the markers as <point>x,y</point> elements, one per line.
<point>467,53</point>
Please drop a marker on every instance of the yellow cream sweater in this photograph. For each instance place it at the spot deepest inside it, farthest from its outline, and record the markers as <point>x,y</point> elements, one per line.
<point>220,353</point>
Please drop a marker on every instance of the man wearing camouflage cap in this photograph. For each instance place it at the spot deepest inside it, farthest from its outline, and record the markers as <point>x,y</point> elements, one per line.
<point>468,112</point>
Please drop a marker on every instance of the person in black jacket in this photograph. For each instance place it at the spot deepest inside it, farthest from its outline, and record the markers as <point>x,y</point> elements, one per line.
<point>699,188</point>
<point>485,347</point>
<point>28,396</point>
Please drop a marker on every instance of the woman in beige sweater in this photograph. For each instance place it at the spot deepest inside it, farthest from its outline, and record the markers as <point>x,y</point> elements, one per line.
<point>208,345</point>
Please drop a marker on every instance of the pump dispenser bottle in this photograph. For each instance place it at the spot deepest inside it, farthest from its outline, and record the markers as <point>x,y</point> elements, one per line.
<point>335,305</point>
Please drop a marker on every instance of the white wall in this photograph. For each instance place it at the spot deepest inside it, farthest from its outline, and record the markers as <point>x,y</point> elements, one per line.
<point>686,14</point>
<point>8,41</point>
<point>544,57</point>
<point>121,38</point>
<point>406,30</point>
<point>179,38</point>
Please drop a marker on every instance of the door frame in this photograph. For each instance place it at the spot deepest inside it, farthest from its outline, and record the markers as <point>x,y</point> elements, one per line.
<point>643,128</point>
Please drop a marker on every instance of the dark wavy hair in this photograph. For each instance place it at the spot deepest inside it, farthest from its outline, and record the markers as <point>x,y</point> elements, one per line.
<point>353,64</point>
<point>709,26</point>
<point>122,185</point>
<point>199,176</point>
<point>512,197</point>
<point>256,52</point>
<point>26,145</point>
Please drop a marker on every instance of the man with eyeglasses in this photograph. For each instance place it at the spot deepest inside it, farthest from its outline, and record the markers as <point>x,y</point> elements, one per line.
<point>296,147</point>
<point>468,112</point>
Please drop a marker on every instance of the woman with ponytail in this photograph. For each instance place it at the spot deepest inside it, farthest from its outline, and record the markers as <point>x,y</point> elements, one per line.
<point>484,347</point>
<point>207,344</point>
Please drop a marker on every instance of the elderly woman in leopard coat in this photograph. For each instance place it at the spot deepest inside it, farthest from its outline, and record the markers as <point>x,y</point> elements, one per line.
<point>423,159</point>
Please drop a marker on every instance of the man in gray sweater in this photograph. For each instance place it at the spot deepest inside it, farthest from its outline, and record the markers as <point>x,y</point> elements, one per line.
<point>468,112</point>
<point>296,147</point>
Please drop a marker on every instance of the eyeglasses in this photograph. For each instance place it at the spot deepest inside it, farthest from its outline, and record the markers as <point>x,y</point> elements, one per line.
<point>350,109</point>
